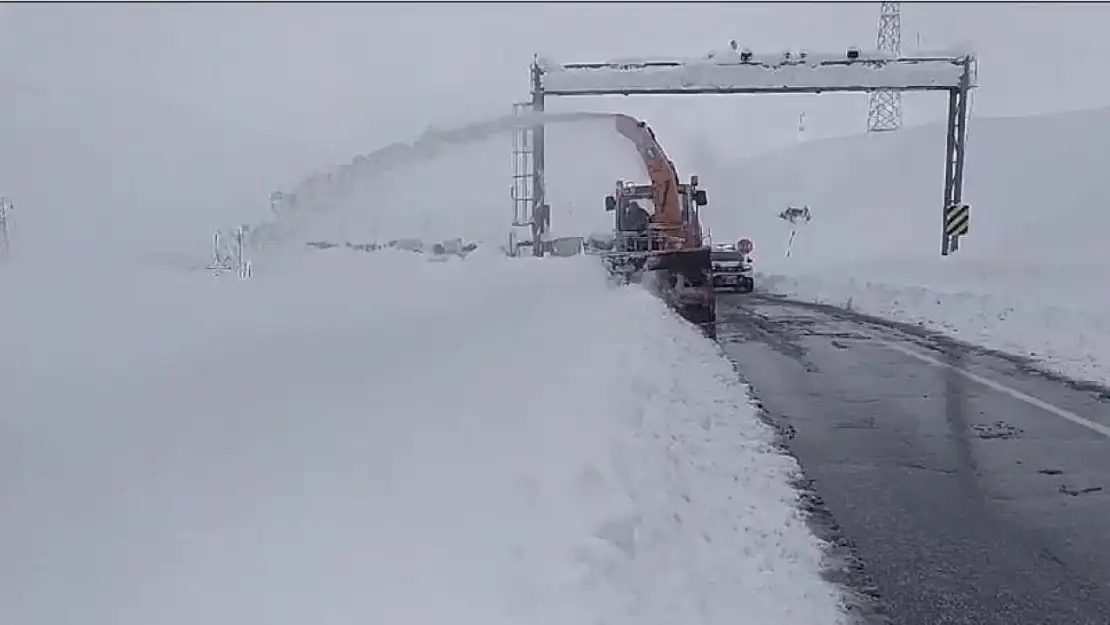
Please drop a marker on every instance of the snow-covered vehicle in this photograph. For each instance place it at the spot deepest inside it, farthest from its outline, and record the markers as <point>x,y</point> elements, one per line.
<point>600,242</point>
<point>732,269</point>
<point>567,246</point>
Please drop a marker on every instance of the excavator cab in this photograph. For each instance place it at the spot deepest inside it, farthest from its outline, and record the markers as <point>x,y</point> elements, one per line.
<point>633,221</point>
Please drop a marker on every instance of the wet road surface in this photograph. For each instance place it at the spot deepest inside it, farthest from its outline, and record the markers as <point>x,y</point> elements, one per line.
<point>961,485</point>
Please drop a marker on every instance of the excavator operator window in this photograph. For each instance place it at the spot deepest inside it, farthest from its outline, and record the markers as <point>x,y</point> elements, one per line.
<point>633,217</point>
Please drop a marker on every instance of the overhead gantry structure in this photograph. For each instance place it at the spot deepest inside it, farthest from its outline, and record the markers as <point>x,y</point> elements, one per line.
<point>740,71</point>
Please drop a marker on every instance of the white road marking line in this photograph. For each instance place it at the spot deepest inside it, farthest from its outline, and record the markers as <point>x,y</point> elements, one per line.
<point>1005,390</point>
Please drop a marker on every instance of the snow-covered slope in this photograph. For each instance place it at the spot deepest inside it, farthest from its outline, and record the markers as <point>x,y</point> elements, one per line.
<point>94,173</point>
<point>1030,277</point>
<point>371,438</point>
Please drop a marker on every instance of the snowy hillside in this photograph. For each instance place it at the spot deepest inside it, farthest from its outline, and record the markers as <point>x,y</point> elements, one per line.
<point>1030,277</point>
<point>372,438</point>
<point>1034,184</point>
<point>130,175</point>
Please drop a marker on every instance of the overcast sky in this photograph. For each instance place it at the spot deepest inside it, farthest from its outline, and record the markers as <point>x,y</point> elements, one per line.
<point>363,74</point>
<point>341,79</point>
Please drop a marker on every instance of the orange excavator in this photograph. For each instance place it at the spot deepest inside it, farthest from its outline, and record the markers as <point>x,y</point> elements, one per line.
<point>662,247</point>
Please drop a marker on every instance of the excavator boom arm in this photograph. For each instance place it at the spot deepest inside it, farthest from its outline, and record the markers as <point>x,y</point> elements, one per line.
<point>661,171</point>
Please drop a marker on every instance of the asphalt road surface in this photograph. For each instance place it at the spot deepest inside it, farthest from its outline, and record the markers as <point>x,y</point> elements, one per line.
<point>959,485</point>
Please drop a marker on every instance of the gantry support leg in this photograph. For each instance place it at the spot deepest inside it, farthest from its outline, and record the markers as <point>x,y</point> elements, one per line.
<point>954,158</point>
<point>539,189</point>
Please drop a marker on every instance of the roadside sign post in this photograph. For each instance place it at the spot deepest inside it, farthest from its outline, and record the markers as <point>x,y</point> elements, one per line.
<point>957,223</point>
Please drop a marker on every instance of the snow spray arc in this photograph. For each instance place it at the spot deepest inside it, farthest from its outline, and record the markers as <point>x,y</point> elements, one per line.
<point>320,192</point>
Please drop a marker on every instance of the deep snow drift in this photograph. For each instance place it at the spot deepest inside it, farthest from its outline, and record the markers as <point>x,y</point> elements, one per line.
<point>371,438</point>
<point>1030,278</point>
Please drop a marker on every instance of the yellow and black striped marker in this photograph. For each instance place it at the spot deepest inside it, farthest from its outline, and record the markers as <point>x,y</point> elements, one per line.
<point>957,220</point>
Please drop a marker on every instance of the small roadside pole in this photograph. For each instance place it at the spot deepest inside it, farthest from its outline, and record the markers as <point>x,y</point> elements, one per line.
<point>5,214</point>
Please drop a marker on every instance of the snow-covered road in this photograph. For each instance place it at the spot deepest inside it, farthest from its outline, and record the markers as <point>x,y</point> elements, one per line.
<point>1030,276</point>
<point>376,439</point>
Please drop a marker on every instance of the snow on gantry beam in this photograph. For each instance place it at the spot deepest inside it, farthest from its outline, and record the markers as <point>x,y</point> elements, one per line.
<point>741,72</point>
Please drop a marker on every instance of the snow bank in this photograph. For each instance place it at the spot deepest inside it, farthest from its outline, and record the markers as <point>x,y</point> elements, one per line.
<point>375,438</point>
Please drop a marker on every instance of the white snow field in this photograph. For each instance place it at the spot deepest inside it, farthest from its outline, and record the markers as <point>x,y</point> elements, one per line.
<point>372,438</point>
<point>1029,279</point>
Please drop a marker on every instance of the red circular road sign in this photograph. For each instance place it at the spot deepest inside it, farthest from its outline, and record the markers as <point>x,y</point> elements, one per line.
<point>745,246</point>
